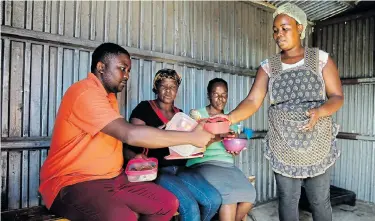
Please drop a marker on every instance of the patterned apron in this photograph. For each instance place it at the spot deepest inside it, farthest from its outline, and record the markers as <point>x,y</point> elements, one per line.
<point>294,153</point>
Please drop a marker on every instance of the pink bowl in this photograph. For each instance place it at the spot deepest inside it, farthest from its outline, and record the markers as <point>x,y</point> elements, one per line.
<point>234,144</point>
<point>217,125</point>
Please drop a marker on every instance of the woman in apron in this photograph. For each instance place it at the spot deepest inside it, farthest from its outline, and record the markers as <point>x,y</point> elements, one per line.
<point>304,90</point>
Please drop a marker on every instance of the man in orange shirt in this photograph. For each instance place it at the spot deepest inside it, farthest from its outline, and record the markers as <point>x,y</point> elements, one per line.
<point>82,177</point>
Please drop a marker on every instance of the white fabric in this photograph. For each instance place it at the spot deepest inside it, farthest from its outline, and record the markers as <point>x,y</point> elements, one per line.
<point>323,58</point>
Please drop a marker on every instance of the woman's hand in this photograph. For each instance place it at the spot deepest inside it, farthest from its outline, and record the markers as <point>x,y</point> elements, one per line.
<point>314,117</point>
<point>225,116</point>
<point>234,153</point>
<point>217,138</point>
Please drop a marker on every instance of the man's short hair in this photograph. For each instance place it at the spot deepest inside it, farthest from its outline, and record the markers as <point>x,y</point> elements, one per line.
<point>104,51</point>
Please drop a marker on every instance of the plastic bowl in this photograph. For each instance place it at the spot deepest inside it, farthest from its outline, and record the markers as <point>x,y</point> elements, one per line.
<point>234,144</point>
<point>217,125</point>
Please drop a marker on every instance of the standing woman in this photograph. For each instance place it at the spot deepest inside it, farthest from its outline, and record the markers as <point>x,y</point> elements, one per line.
<point>305,90</point>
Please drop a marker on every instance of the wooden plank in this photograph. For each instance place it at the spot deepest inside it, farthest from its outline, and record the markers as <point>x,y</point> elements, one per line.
<point>5,88</point>
<point>61,20</point>
<point>34,167</point>
<point>85,19</point>
<point>179,26</point>
<point>25,178</point>
<point>26,91</point>
<point>77,19</point>
<point>198,30</point>
<point>30,214</point>
<point>69,18</point>
<point>43,157</point>
<point>110,19</point>
<point>54,19</point>
<point>121,23</point>
<point>83,67</point>
<point>52,89</point>
<point>47,16</point>
<point>59,78</point>
<point>18,14</point>
<point>58,40</point>
<point>146,26</point>
<point>157,26</point>
<point>29,15</point>
<point>38,15</point>
<point>36,90</point>
<point>93,20</point>
<point>188,19</point>
<point>75,65</point>
<point>133,22</point>
<point>16,89</point>
<point>225,31</point>
<point>168,27</point>
<point>7,13</point>
<point>44,97</point>
<point>68,70</point>
<point>99,21</point>
<point>4,180</point>
<point>206,37</point>
<point>14,182</point>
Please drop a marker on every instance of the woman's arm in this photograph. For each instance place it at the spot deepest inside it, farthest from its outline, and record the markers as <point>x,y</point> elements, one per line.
<point>334,93</point>
<point>254,99</point>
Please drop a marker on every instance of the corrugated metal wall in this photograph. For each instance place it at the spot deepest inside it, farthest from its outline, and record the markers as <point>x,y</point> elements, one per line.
<point>46,46</point>
<point>350,43</point>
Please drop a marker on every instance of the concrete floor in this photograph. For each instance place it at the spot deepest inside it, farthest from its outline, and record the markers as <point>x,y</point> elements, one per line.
<point>361,212</point>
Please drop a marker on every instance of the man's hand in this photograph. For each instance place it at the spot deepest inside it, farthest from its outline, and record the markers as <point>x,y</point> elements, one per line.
<point>200,137</point>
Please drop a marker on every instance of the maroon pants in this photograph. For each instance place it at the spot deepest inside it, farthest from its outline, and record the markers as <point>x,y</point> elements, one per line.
<point>114,200</point>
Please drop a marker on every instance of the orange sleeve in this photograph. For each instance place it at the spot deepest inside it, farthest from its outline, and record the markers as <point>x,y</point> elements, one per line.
<point>92,111</point>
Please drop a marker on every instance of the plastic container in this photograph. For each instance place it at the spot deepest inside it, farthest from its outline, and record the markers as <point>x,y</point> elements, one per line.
<point>234,144</point>
<point>217,125</point>
<point>140,170</point>
<point>182,122</point>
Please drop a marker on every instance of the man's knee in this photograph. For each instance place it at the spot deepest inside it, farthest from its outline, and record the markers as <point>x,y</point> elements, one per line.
<point>171,203</point>
<point>119,214</point>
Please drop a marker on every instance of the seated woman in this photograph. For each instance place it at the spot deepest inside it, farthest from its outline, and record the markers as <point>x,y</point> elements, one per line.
<point>217,165</point>
<point>198,199</point>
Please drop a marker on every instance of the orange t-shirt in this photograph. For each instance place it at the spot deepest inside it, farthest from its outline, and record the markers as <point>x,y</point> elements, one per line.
<point>79,151</point>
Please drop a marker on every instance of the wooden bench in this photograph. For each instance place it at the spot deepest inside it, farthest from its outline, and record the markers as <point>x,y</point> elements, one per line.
<point>38,213</point>
<point>41,213</point>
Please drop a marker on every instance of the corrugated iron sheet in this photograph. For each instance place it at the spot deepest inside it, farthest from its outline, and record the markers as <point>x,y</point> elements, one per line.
<point>351,45</point>
<point>355,170</point>
<point>35,75</point>
<point>318,10</point>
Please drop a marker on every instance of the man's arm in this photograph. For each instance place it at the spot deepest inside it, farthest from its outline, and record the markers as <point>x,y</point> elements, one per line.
<point>149,137</point>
